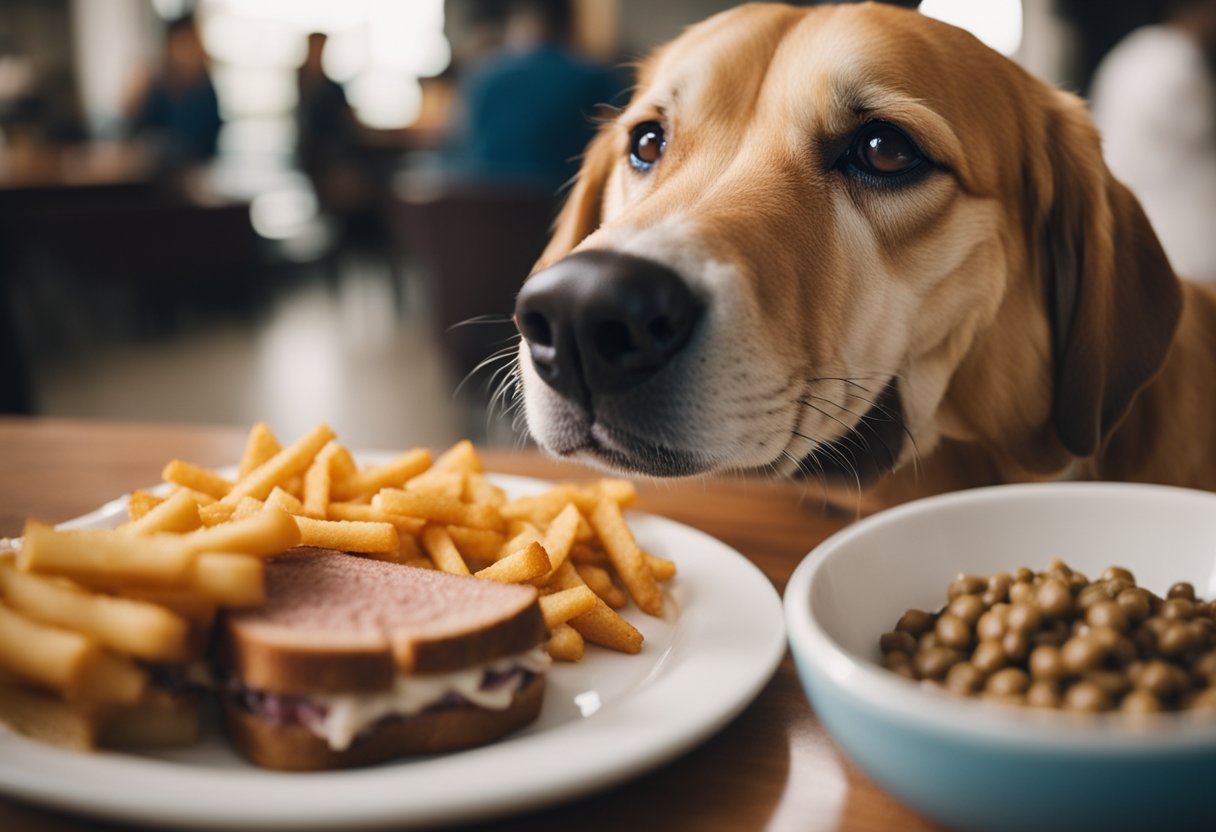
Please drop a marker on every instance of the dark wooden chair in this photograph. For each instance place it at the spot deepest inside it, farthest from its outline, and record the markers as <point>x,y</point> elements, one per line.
<point>477,242</point>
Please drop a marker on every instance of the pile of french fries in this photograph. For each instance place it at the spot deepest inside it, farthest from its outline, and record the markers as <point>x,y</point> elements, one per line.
<point>86,614</point>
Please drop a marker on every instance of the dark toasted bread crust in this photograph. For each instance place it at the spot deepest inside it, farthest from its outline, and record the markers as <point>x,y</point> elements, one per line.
<point>295,748</point>
<point>270,657</point>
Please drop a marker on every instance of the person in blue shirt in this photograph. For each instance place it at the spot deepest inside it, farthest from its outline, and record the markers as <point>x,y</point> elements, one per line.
<point>178,111</point>
<point>529,111</point>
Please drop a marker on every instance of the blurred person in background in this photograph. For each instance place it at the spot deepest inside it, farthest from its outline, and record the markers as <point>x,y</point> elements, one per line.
<point>1154,100</point>
<point>527,111</point>
<point>327,136</point>
<point>176,108</point>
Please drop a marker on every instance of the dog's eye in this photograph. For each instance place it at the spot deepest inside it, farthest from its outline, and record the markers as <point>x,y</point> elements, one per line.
<point>884,150</point>
<point>646,145</point>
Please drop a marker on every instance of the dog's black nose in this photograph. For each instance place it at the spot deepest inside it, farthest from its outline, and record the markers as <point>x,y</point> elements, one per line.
<point>603,322</point>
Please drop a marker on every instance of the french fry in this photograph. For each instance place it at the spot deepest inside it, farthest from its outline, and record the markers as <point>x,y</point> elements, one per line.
<point>662,568</point>
<point>259,447</point>
<point>247,507</point>
<point>446,486</point>
<point>343,464</point>
<point>280,498</point>
<point>604,626</point>
<point>47,656</point>
<point>216,513</point>
<point>559,537</point>
<point>478,489</point>
<point>371,514</point>
<point>561,606</point>
<point>198,496</point>
<point>525,535</point>
<point>601,584</point>
<point>48,718</point>
<point>318,483</point>
<point>287,463</point>
<point>601,625</point>
<point>622,492</point>
<point>140,503</point>
<point>584,533</point>
<point>445,511</point>
<point>348,535</point>
<point>461,457</point>
<point>565,644</point>
<point>110,680</point>
<point>199,612</point>
<point>540,508</point>
<point>104,556</point>
<point>269,531</point>
<point>411,550</point>
<point>479,544</point>
<point>192,476</point>
<point>121,624</point>
<point>438,544</point>
<point>395,473</point>
<point>518,567</point>
<point>179,513</point>
<point>65,661</point>
<point>229,579</point>
<point>626,557</point>
<point>589,554</point>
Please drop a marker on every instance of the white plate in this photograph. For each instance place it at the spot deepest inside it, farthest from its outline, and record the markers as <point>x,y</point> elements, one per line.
<point>605,719</point>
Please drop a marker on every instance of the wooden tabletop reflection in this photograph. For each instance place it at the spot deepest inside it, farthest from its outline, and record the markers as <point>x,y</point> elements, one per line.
<point>773,767</point>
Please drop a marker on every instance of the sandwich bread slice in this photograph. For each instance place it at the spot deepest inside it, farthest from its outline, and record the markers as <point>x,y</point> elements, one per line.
<point>353,661</point>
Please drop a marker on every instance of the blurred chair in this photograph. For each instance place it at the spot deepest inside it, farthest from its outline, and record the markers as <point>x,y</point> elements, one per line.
<point>478,242</point>
<point>141,240</point>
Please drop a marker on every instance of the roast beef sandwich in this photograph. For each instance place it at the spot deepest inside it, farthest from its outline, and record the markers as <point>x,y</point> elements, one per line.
<point>354,661</point>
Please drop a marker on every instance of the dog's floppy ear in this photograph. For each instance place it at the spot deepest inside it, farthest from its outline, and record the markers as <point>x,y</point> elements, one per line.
<point>580,215</point>
<point>1113,301</point>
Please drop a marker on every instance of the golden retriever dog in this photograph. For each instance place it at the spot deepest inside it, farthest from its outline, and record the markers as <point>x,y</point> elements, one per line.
<point>854,244</point>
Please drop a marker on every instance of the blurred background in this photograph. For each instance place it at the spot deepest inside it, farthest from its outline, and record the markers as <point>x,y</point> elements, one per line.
<point>304,210</point>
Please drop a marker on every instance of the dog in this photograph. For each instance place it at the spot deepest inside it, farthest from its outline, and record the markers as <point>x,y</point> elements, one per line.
<point>856,245</point>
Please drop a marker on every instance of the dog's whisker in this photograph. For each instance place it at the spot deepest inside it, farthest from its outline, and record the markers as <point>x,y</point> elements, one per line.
<point>845,463</point>
<point>490,360</point>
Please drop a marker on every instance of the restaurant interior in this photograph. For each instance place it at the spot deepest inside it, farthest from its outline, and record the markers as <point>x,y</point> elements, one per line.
<point>302,240</point>
<point>226,223</point>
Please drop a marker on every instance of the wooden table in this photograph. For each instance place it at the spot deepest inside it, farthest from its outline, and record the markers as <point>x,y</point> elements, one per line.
<point>774,767</point>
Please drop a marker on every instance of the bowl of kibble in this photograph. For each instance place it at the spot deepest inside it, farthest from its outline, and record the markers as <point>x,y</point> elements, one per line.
<point>1022,657</point>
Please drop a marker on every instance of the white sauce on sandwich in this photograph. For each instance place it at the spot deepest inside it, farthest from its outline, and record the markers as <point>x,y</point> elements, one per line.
<point>346,715</point>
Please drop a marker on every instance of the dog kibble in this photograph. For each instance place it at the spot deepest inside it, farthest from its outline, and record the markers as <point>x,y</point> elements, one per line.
<point>968,608</point>
<point>1140,702</point>
<point>1054,598</point>
<point>897,642</point>
<point>991,625</point>
<point>1015,645</point>
<point>1086,696</point>
<point>915,622</point>
<point>1181,590</point>
<point>1046,663</point>
<point>1007,681</point>
<point>1135,604</point>
<point>1055,639</point>
<point>1043,694</point>
<point>989,656</point>
<point>953,631</point>
<point>964,678</point>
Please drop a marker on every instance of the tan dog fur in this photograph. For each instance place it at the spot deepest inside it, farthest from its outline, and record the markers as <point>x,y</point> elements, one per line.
<point>1016,293</point>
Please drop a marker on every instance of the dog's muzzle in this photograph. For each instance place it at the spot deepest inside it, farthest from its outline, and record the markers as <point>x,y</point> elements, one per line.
<point>599,323</point>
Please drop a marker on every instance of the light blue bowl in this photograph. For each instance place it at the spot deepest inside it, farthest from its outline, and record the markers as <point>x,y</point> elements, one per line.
<point>984,766</point>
